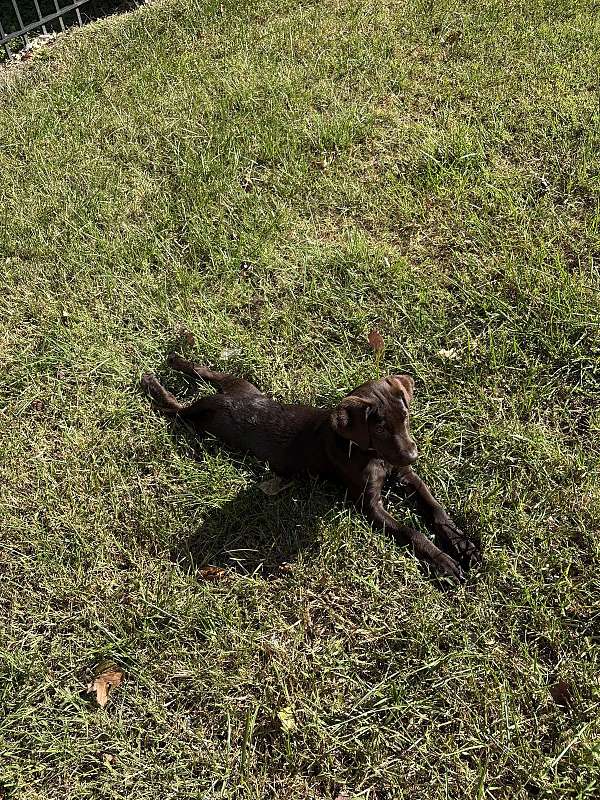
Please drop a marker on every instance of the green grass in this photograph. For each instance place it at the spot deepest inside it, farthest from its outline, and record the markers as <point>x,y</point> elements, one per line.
<point>279,178</point>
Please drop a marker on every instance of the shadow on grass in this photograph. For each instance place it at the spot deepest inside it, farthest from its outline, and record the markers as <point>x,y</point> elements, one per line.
<point>255,534</point>
<point>252,533</point>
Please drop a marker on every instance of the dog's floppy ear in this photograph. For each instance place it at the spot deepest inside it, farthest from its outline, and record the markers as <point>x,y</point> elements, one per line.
<point>403,384</point>
<point>349,419</point>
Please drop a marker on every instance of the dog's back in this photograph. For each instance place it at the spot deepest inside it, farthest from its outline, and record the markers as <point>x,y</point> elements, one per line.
<point>286,436</point>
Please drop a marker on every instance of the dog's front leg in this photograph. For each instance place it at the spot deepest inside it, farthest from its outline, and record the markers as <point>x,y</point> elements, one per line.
<point>439,521</point>
<point>369,500</point>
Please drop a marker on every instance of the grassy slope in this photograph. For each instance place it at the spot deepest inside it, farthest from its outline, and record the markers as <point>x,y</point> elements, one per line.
<point>278,178</point>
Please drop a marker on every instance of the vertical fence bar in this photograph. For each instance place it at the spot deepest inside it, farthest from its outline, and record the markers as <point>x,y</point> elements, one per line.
<point>79,22</point>
<point>20,20</point>
<point>59,15</point>
<point>39,13</point>
<point>6,47</point>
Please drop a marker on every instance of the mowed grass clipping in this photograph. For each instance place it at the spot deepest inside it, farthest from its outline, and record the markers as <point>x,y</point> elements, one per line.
<point>278,178</point>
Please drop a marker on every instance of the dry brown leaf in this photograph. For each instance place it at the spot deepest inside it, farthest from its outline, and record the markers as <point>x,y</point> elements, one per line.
<point>451,38</point>
<point>213,573</point>
<point>187,337</point>
<point>105,682</point>
<point>306,618</point>
<point>376,341</point>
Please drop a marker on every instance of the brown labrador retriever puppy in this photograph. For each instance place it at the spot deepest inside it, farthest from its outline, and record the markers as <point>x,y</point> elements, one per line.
<point>358,444</point>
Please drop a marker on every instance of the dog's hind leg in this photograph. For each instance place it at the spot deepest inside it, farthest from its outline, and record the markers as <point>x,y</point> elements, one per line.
<point>201,414</point>
<point>166,401</point>
<point>226,383</point>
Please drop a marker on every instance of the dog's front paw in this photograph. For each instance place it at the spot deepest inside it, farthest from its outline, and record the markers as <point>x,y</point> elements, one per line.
<point>456,540</point>
<point>468,553</point>
<point>151,386</point>
<point>446,567</point>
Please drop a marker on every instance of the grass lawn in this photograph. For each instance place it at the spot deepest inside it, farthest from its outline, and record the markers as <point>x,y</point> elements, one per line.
<point>278,178</point>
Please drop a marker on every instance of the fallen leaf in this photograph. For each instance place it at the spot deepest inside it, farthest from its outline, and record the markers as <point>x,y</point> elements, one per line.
<point>37,405</point>
<point>287,719</point>
<point>450,354</point>
<point>213,573</point>
<point>562,694</point>
<point>273,486</point>
<point>376,341</point>
<point>306,618</point>
<point>105,682</point>
<point>188,337</point>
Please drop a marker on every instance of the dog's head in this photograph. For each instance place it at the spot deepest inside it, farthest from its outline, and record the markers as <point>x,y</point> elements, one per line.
<point>376,417</point>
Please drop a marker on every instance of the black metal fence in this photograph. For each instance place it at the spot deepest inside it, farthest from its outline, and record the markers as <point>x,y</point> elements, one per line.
<point>20,19</point>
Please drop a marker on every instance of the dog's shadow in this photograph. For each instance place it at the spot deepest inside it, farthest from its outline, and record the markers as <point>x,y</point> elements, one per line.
<point>253,533</point>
